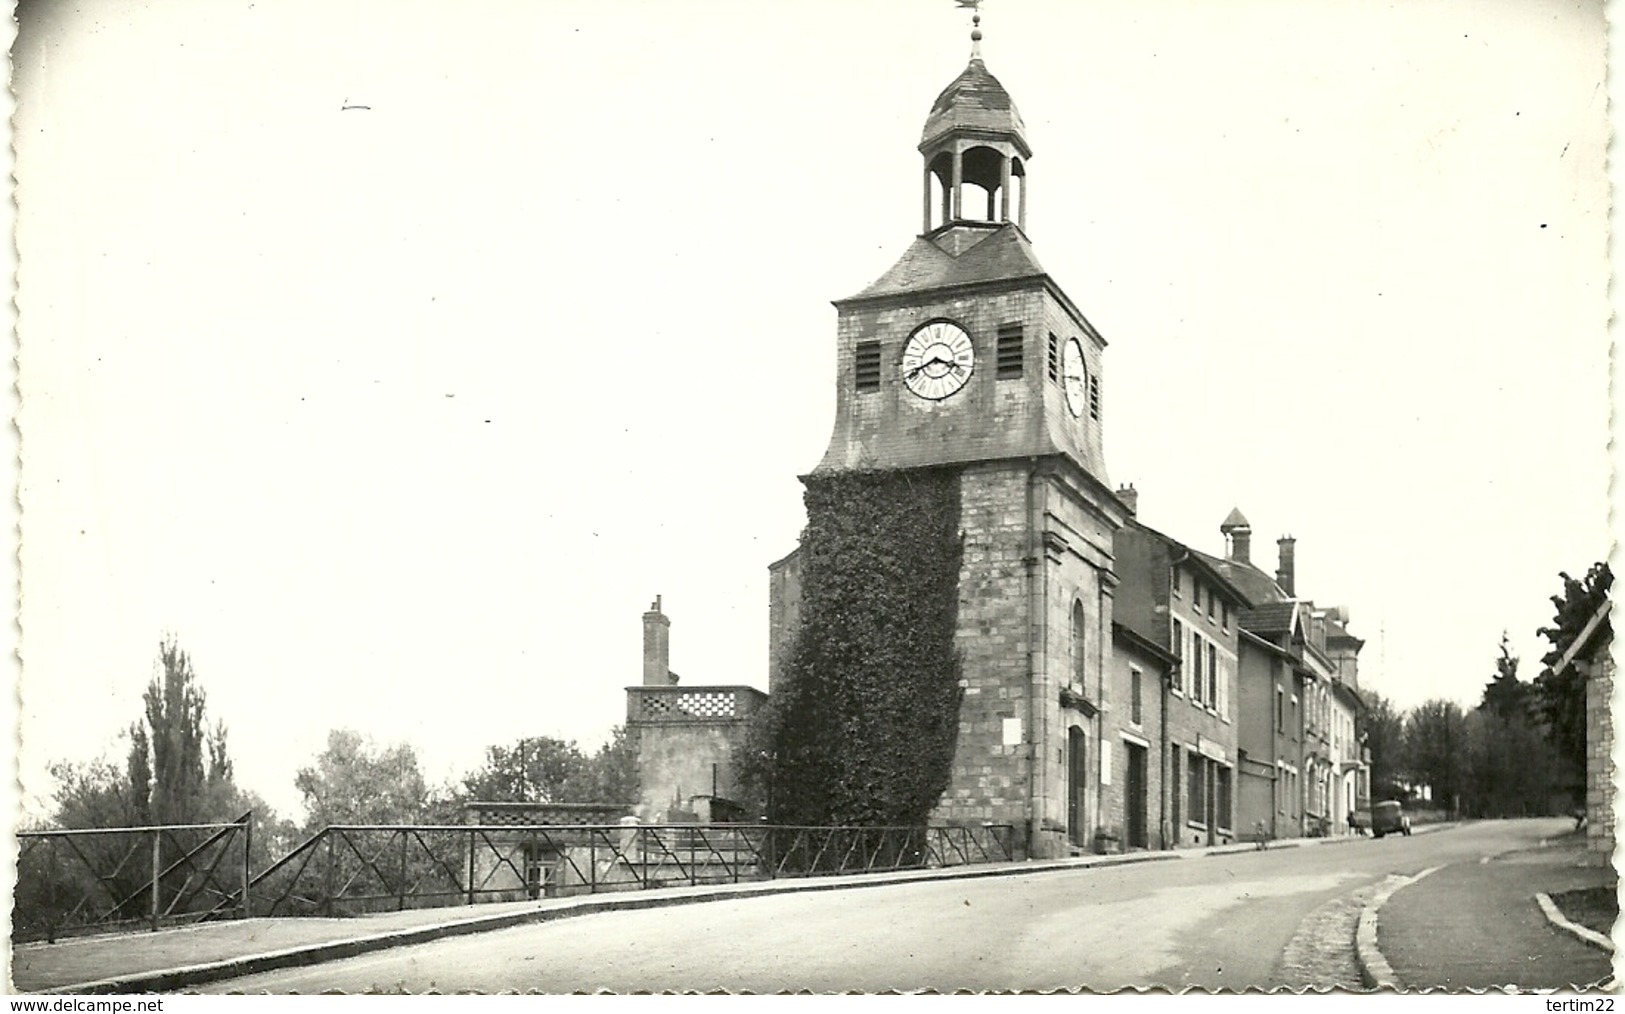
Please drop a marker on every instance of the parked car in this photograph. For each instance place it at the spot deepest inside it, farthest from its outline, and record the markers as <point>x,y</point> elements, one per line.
<point>1389,816</point>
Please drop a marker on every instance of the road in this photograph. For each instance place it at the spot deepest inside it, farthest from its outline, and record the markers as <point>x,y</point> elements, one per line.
<point>1277,918</point>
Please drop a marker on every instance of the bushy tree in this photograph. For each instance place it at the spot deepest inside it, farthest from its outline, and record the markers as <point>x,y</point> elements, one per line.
<point>1436,745</point>
<point>354,781</point>
<point>544,769</point>
<point>1384,730</point>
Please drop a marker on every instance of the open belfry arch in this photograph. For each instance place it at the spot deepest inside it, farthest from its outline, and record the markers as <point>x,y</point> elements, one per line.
<point>967,357</point>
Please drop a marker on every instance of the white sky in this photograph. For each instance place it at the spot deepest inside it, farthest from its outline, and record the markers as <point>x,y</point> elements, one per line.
<point>399,417</point>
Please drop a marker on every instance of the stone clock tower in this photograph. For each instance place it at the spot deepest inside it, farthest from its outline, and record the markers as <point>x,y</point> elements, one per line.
<point>968,354</point>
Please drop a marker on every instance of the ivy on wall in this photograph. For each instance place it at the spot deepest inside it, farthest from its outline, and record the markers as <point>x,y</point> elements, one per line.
<point>862,730</point>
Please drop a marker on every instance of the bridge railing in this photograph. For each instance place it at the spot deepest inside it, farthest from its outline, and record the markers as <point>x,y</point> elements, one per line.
<point>75,881</point>
<point>353,869</point>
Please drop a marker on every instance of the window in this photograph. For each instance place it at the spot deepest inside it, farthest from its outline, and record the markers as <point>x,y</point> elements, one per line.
<point>1134,714</point>
<point>1176,583</point>
<point>1224,615</point>
<point>1212,697</point>
<point>1094,396</point>
<point>1179,652</point>
<point>1194,784</point>
<point>1054,359</point>
<point>1009,354</point>
<point>1212,604</point>
<point>1280,710</point>
<point>1078,630</point>
<point>1198,682</point>
<point>1221,797</point>
<point>866,366</point>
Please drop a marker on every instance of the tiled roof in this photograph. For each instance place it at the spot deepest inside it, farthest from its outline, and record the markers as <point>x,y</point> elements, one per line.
<point>1235,519</point>
<point>960,255</point>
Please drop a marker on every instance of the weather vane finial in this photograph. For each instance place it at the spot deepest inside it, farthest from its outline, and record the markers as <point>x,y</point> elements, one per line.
<point>975,6</point>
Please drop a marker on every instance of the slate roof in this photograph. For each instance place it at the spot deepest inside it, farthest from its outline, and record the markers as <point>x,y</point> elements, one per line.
<point>1255,586</point>
<point>1273,618</point>
<point>974,100</point>
<point>1235,519</point>
<point>959,255</point>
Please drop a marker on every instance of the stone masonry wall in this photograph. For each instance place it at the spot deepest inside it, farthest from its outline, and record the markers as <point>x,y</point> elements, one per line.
<point>990,775</point>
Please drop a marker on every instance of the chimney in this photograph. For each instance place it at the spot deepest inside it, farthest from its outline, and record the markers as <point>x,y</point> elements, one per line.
<point>1130,498</point>
<point>1283,573</point>
<point>656,647</point>
<point>1238,536</point>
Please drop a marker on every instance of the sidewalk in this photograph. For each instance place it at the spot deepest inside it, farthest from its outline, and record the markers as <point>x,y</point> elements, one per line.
<point>1465,925</point>
<point>173,959</point>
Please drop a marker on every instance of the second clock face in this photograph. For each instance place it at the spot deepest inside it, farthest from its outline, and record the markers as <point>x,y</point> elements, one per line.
<point>938,359</point>
<point>1074,378</point>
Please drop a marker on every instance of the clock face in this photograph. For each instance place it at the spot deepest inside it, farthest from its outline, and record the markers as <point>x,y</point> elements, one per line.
<point>938,359</point>
<point>1074,379</point>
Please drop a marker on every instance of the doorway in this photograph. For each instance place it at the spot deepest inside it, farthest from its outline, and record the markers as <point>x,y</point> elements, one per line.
<point>1134,798</point>
<point>1077,782</point>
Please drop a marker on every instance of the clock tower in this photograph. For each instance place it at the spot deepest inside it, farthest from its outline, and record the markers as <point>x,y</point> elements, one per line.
<point>967,356</point>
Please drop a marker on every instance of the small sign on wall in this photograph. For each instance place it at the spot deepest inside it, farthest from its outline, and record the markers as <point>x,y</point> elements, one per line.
<point>1012,732</point>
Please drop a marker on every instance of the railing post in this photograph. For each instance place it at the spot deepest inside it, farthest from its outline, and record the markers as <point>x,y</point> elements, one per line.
<point>248,839</point>
<point>400,896</point>
<point>157,861</point>
<point>50,911</point>
<point>327,893</point>
<point>471,867</point>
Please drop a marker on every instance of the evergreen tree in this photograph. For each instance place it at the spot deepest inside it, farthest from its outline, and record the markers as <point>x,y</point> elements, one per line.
<point>1560,696</point>
<point>1505,696</point>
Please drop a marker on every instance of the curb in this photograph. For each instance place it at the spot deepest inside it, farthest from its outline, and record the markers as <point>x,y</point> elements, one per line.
<point>171,980</point>
<point>1375,972</point>
<point>1586,935</point>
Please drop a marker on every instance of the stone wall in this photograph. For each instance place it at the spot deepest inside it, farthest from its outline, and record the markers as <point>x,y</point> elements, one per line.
<point>1600,752</point>
<point>687,741</point>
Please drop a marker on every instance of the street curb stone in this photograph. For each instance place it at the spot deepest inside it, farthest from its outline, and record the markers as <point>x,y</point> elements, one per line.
<point>1555,916</point>
<point>1375,971</point>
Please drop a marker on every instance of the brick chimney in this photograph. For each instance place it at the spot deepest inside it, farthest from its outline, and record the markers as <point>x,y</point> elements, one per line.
<point>656,647</point>
<point>1284,573</point>
<point>1238,537</point>
<point>1130,498</point>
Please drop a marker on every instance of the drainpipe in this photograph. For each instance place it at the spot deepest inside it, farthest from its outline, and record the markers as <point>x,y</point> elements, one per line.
<point>1162,758</point>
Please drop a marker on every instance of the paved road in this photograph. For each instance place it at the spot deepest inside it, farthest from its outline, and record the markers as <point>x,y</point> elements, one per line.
<point>1282,917</point>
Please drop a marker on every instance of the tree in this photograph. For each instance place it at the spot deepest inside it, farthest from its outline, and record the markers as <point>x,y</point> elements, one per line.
<point>1560,696</point>
<point>1436,749</point>
<point>535,769</point>
<point>178,770</point>
<point>547,770</point>
<point>354,782</point>
<point>1385,737</point>
<point>1505,696</point>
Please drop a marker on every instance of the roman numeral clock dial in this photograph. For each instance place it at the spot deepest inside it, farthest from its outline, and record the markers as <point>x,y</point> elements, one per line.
<point>937,361</point>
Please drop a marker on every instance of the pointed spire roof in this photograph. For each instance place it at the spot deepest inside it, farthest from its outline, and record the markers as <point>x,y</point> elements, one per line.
<point>1235,519</point>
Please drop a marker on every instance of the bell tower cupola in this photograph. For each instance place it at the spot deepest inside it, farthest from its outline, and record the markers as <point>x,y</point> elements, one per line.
<point>975,150</point>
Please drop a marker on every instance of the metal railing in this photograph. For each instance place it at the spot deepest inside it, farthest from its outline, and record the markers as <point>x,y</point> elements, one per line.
<point>353,869</point>
<point>73,881</point>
